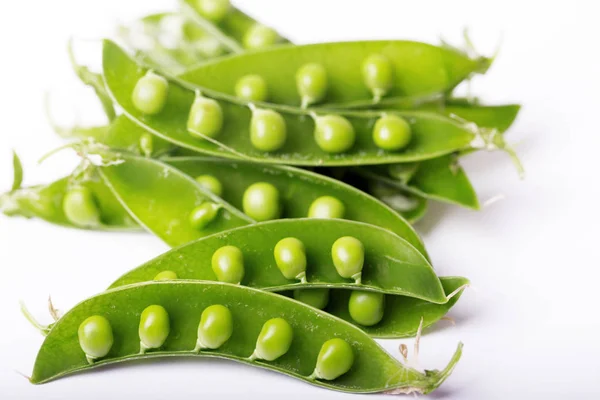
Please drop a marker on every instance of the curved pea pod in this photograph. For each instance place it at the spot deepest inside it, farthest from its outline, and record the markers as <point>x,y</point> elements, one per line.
<point>46,202</point>
<point>230,29</point>
<point>402,315</point>
<point>372,370</point>
<point>433,135</point>
<point>391,264</point>
<point>160,198</point>
<point>298,189</point>
<point>417,70</point>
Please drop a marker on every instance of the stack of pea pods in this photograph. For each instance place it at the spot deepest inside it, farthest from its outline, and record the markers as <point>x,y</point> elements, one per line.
<point>286,179</point>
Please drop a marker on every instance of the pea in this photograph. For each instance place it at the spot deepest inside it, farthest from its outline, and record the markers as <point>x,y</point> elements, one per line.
<point>165,276</point>
<point>251,88</point>
<point>154,327</point>
<point>146,146</point>
<point>274,340</point>
<point>261,202</point>
<point>213,10</point>
<point>290,257</point>
<point>348,256</point>
<point>206,118</point>
<point>334,133</point>
<point>215,328</point>
<point>317,298</point>
<point>228,264</point>
<point>335,359</point>
<point>150,93</point>
<point>203,215</point>
<point>259,37</point>
<point>268,131</point>
<point>211,184</point>
<point>80,207</point>
<point>95,337</point>
<point>327,207</point>
<point>311,82</point>
<point>391,133</point>
<point>378,75</point>
<point>366,308</point>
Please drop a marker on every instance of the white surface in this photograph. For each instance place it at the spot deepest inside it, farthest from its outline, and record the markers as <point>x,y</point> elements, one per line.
<point>529,323</point>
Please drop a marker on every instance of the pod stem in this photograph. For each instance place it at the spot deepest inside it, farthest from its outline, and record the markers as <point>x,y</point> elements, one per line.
<point>44,329</point>
<point>438,377</point>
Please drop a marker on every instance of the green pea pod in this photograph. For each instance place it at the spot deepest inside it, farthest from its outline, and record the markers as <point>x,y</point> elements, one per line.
<point>433,135</point>
<point>46,202</point>
<point>419,70</point>
<point>160,198</point>
<point>298,189</point>
<point>121,134</point>
<point>402,315</point>
<point>230,30</point>
<point>391,264</point>
<point>372,370</point>
<point>170,42</point>
<point>499,117</point>
<point>17,172</point>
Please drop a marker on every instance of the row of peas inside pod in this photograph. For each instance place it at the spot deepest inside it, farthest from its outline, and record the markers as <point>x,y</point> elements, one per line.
<point>277,173</point>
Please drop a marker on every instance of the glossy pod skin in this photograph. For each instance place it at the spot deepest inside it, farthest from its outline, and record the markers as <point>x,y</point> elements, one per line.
<point>391,265</point>
<point>433,135</point>
<point>418,69</point>
<point>298,189</point>
<point>46,202</point>
<point>373,370</point>
<point>160,198</point>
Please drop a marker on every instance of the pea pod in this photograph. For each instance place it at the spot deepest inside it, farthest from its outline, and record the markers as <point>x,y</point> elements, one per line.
<point>298,190</point>
<point>372,369</point>
<point>161,198</point>
<point>433,135</point>
<point>48,202</point>
<point>391,264</point>
<point>417,70</point>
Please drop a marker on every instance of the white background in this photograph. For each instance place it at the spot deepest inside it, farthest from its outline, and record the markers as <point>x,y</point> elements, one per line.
<point>529,323</point>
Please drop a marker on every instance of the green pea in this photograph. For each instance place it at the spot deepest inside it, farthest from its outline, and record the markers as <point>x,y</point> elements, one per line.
<point>311,82</point>
<point>211,184</point>
<point>334,133</point>
<point>80,208</point>
<point>268,131</point>
<point>165,276</point>
<point>290,257</point>
<point>146,144</point>
<point>326,207</point>
<point>366,308</point>
<point>154,327</point>
<point>95,337</point>
<point>150,93</point>
<point>251,88</point>
<point>378,75</point>
<point>274,340</point>
<point>348,256</point>
<point>261,202</point>
<point>228,264</point>
<point>317,298</point>
<point>259,37</point>
<point>203,215</point>
<point>206,118</point>
<point>215,328</point>
<point>391,133</point>
<point>335,359</point>
<point>213,10</point>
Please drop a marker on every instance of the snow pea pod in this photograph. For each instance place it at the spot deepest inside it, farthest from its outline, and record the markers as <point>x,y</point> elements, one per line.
<point>391,264</point>
<point>161,198</point>
<point>372,369</point>
<point>47,202</point>
<point>417,70</point>
<point>298,189</point>
<point>433,135</point>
